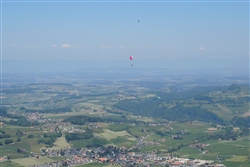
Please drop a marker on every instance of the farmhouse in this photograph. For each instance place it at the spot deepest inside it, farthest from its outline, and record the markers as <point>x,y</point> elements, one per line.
<point>2,159</point>
<point>177,137</point>
<point>177,163</point>
<point>102,159</point>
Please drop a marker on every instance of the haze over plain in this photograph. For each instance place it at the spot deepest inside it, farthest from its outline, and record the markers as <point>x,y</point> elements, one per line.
<point>42,36</point>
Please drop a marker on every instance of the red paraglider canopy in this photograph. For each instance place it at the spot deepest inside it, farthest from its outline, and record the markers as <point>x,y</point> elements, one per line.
<point>131,57</point>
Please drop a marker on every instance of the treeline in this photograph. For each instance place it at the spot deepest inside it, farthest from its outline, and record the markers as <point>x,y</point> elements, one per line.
<point>226,133</point>
<point>203,97</point>
<point>76,136</point>
<point>22,121</point>
<point>51,110</point>
<point>200,93</point>
<point>49,139</point>
<point>181,113</point>
<point>147,107</point>
<point>151,84</point>
<point>3,134</point>
<point>18,90</point>
<point>151,108</point>
<point>82,120</point>
<point>187,94</point>
<point>241,121</point>
<point>238,88</point>
<point>234,102</point>
<point>3,111</point>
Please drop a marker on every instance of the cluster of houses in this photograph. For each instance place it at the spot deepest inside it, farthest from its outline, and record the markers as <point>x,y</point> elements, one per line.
<point>4,158</point>
<point>140,142</point>
<point>118,157</point>
<point>199,145</point>
<point>34,117</point>
<point>50,125</point>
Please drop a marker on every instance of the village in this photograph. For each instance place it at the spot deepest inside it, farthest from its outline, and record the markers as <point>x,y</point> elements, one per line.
<point>117,156</point>
<point>122,156</point>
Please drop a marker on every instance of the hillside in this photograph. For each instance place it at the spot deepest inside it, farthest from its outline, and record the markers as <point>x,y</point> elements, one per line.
<point>209,104</point>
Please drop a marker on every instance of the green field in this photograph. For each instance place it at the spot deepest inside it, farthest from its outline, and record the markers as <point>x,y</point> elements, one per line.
<point>96,164</point>
<point>234,153</point>
<point>32,161</point>
<point>10,164</point>
<point>122,141</point>
<point>108,134</point>
<point>30,145</point>
<point>118,138</point>
<point>90,142</point>
<point>60,143</point>
<point>238,159</point>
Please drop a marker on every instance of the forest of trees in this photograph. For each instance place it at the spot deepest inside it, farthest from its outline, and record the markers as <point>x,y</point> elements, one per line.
<point>241,121</point>
<point>180,112</point>
<point>49,139</point>
<point>226,133</point>
<point>151,108</point>
<point>75,136</point>
<point>82,120</point>
<point>22,121</point>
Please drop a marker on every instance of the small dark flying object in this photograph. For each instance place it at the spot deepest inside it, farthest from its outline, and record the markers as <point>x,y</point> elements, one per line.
<point>138,21</point>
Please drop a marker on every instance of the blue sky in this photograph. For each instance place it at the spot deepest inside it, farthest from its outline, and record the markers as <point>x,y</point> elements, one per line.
<point>72,35</point>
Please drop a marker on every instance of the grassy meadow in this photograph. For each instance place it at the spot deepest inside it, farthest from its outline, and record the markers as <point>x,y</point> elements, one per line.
<point>32,161</point>
<point>233,153</point>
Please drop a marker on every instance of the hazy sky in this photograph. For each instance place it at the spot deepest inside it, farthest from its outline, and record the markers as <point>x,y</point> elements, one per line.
<point>66,35</point>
